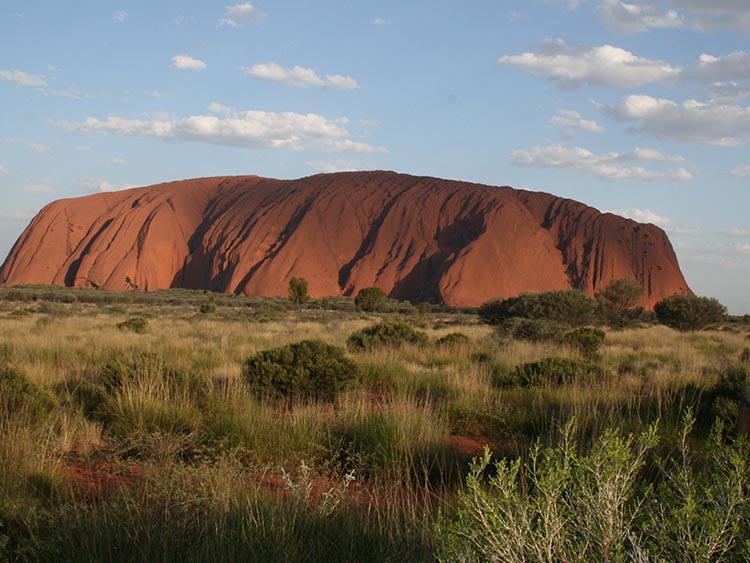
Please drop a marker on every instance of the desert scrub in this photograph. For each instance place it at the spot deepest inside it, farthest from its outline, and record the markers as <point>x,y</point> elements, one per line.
<point>135,324</point>
<point>586,340</point>
<point>310,369</point>
<point>453,339</point>
<point>393,334</point>
<point>548,371</point>
<point>19,395</point>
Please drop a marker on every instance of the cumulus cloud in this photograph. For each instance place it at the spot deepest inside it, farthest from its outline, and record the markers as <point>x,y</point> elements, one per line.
<point>709,123</point>
<point>240,14</point>
<point>238,128</point>
<point>186,62</point>
<point>723,92</point>
<point>640,15</point>
<point>606,166</point>
<point>573,119</point>
<point>39,148</point>
<point>740,172</point>
<point>648,216</point>
<point>115,160</point>
<point>738,232</point>
<point>39,189</point>
<point>571,66</point>
<point>709,68</point>
<point>20,78</point>
<point>623,17</point>
<point>300,76</point>
<point>378,21</point>
<point>120,16</point>
<point>97,185</point>
<point>340,166</point>
<point>3,169</point>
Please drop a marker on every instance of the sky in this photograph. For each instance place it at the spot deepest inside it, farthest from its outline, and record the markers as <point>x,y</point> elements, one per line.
<point>640,108</point>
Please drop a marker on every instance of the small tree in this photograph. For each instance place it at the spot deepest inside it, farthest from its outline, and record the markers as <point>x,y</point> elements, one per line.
<point>572,307</point>
<point>370,299</point>
<point>619,302</point>
<point>689,312</point>
<point>298,291</point>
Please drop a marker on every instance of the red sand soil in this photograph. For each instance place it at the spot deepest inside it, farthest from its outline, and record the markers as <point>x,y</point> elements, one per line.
<point>418,238</point>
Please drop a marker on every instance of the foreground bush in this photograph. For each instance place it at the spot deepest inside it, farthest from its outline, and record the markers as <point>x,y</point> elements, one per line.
<point>561,506</point>
<point>571,307</point>
<point>385,335</point>
<point>307,369</point>
<point>548,371</point>
<point>19,395</point>
<point>453,339</point>
<point>534,330</point>
<point>689,312</point>
<point>618,304</point>
<point>586,340</point>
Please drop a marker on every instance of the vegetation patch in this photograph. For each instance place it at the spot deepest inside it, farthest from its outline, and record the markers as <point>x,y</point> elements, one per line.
<point>548,371</point>
<point>386,335</point>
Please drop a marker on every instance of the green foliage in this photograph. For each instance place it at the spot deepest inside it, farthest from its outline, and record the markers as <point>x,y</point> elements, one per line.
<point>392,334</point>
<point>134,324</point>
<point>424,308</point>
<point>209,306</point>
<point>548,371</point>
<point>19,395</point>
<point>689,312</point>
<point>618,303</point>
<point>371,299</point>
<point>306,369</point>
<point>571,307</point>
<point>586,340</point>
<point>298,291</point>
<point>557,506</point>
<point>534,330</point>
<point>453,339</point>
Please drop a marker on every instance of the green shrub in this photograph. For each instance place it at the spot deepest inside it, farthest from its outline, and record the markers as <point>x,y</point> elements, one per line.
<point>209,306</point>
<point>134,324</point>
<point>307,369</point>
<point>548,371</point>
<point>19,395</point>
<point>371,299</point>
<point>586,340</point>
<point>571,307</point>
<point>535,330</point>
<point>453,339</point>
<point>689,312</point>
<point>298,291</point>
<point>618,304</point>
<point>391,334</point>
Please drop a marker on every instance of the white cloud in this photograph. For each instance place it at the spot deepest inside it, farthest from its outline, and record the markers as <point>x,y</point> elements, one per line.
<point>709,123</point>
<point>97,185</point>
<point>728,92</point>
<point>39,148</point>
<point>115,161</point>
<point>340,166</point>
<point>3,169</point>
<point>16,214</point>
<point>607,166</point>
<point>247,129</point>
<point>648,216</point>
<point>186,62</point>
<point>571,66</point>
<point>740,171</point>
<point>702,15</point>
<point>120,16</point>
<point>39,189</point>
<point>379,21</point>
<point>738,232</point>
<point>568,118</point>
<point>82,148</point>
<point>623,17</point>
<point>709,68</point>
<point>239,14</point>
<point>299,76</point>
<point>20,78</point>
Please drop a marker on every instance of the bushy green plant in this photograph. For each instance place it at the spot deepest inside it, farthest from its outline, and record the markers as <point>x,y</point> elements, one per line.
<point>392,334</point>
<point>306,369</point>
<point>548,371</point>
<point>571,307</point>
<point>18,394</point>
<point>134,324</point>
<point>452,339</point>
<point>535,330</point>
<point>298,291</point>
<point>209,306</point>
<point>689,312</point>
<point>586,340</point>
<point>618,304</point>
<point>371,299</point>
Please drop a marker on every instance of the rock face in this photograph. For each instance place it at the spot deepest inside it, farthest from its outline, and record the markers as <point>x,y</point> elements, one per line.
<point>418,238</point>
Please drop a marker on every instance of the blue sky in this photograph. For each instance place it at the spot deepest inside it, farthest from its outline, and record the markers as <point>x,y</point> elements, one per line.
<point>640,107</point>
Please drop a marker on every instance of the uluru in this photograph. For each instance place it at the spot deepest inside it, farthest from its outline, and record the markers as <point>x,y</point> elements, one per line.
<point>418,238</point>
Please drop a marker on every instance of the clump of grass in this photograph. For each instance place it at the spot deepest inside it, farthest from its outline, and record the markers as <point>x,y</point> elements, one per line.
<point>138,325</point>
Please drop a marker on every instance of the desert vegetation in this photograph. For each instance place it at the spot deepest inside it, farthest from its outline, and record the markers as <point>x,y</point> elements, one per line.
<point>149,427</point>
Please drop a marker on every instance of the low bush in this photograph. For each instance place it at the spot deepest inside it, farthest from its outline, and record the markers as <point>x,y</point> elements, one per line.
<point>134,324</point>
<point>386,335</point>
<point>453,339</point>
<point>304,370</point>
<point>548,371</point>
<point>371,299</point>
<point>535,330</point>
<point>586,340</point>
<point>689,312</point>
<point>570,307</point>
<point>19,395</point>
